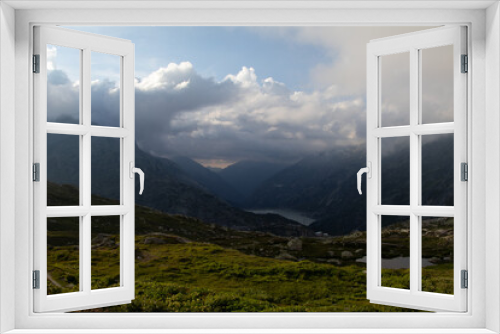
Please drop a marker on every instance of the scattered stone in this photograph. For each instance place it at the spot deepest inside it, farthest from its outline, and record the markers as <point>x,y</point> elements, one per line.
<point>295,244</point>
<point>139,255</point>
<point>330,253</point>
<point>335,261</point>
<point>102,240</point>
<point>286,256</point>
<point>346,254</point>
<point>154,241</point>
<point>359,252</point>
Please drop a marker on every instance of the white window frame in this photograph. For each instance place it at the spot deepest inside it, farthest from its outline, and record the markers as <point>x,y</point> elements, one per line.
<point>413,44</point>
<point>87,44</point>
<point>481,17</point>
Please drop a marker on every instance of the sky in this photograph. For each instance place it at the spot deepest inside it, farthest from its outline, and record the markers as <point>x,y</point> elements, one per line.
<point>220,95</point>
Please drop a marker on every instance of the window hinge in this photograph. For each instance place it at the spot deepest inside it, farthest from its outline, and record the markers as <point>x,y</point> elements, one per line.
<point>36,279</point>
<point>465,64</point>
<point>36,63</point>
<point>465,279</point>
<point>464,171</point>
<point>36,172</point>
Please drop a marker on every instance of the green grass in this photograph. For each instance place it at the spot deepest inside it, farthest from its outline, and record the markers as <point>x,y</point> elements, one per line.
<point>203,267</point>
<point>197,277</point>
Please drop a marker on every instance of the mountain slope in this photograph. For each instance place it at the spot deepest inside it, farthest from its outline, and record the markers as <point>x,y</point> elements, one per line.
<point>167,187</point>
<point>210,180</point>
<point>245,176</point>
<point>324,185</point>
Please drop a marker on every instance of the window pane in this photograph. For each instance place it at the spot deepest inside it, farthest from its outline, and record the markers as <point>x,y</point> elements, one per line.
<point>437,170</point>
<point>105,252</point>
<point>395,243</point>
<point>63,255</point>
<point>437,84</point>
<point>63,170</point>
<point>395,171</point>
<point>63,84</point>
<point>105,76</point>
<point>437,255</point>
<point>105,171</point>
<point>395,89</point>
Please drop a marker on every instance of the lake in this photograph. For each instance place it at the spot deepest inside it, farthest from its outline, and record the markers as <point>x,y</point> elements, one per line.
<point>400,262</point>
<point>299,217</point>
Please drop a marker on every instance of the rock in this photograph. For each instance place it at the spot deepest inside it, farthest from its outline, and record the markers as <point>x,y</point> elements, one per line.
<point>139,255</point>
<point>447,258</point>
<point>330,253</point>
<point>154,241</point>
<point>346,254</point>
<point>359,252</point>
<point>295,244</point>
<point>102,240</point>
<point>286,256</point>
<point>336,261</point>
<point>434,259</point>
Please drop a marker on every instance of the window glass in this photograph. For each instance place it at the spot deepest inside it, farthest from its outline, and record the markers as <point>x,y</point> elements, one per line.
<point>395,89</point>
<point>63,255</point>
<point>395,252</point>
<point>395,170</point>
<point>438,169</point>
<point>63,76</point>
<point>437,84</point>
<point>63,170</point>
<point>105,76</point>
<point>105,252</point>
<point>437,254</point>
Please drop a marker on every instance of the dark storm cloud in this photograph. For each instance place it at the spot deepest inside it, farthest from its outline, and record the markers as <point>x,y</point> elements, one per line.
<point>179,112</point>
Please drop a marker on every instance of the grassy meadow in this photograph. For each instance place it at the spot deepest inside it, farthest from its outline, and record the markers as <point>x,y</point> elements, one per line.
<point>185,265</point>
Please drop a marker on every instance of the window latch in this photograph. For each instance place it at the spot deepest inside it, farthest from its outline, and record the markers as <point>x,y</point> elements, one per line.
<point>368,171</point>
<point>139,171</point>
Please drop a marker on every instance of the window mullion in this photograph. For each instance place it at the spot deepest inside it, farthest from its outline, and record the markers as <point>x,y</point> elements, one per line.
<point>414,172</point>
<point>85,167</point>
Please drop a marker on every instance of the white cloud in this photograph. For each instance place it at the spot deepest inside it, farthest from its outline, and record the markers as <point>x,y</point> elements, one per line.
<point>174,75</point>
<point>178,112</point>
<point>246,77</point>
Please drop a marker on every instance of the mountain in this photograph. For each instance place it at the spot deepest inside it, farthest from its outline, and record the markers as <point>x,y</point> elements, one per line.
<point>210,180</point>
<point>167,188</point>
<point>317,183</point>
<point>245,176</point>
<point>323,186</point>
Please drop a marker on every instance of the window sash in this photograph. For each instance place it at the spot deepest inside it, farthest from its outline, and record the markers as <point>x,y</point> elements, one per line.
<point>86,298</point>
<point>414,298</point>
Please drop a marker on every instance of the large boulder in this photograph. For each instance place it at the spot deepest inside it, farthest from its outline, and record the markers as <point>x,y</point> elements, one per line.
<point>295,244</point>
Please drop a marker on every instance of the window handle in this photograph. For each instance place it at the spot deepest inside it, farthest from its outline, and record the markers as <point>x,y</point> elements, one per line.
<point>368,171</point>
<point>141,175</point>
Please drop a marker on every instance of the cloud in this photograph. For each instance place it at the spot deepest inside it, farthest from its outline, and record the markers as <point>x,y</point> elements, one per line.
<point>243,116</point>
<point>179,112</point>
<point>259,119</point>
<point>345,73</point>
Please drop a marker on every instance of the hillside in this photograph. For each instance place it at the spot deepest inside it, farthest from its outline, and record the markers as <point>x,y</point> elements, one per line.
<point>167,187</point>
<point>210,180</point>
<point>186,265</point>
<point>246,175</point>
<point>323,186</point>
